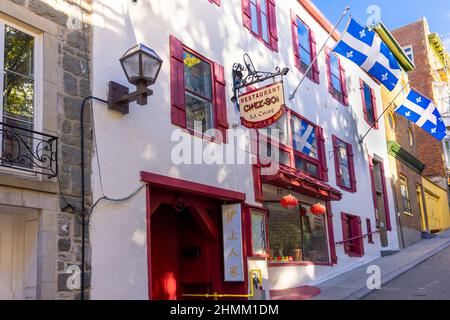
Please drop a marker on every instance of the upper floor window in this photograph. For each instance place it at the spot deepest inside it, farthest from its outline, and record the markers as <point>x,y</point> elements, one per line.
<point>410,137</point>
<point>337,84</point>
<point>447,152</point>
<point>409,52</point>
<point>304,47</point>
<point>260,18</point>
<point>300,145</point>
<point>352,235</point>
<point>391,120</point>
<point>404,190</point>
<point>197,91</point>
<point>345,169</point>
<point>369,104</point>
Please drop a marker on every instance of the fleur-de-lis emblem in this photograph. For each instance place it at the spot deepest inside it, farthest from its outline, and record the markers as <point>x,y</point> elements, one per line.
<point>362,33</point>
<point>419,100</point>
<point>408,113</point>
<point>384,77</point>
<point>433,130</point>
<point>350,54</point>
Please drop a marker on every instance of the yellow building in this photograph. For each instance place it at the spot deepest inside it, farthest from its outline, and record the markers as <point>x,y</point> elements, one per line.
<point>436,206</point>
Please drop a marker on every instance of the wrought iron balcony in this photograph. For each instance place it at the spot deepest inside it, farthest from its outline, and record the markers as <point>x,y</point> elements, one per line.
<point>27,150</point>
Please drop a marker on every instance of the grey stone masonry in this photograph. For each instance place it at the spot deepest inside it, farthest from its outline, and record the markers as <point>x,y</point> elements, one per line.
<point>73,51</point>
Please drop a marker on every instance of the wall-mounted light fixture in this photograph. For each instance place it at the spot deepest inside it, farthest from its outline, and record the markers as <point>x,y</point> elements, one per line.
<point>141,66</point>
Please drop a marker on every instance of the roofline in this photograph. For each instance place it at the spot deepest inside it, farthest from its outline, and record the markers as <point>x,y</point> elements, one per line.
<point>320,18</point>
<point>394,46</point>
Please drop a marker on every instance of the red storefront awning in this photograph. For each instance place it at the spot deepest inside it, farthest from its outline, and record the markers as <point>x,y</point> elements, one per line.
<point>302,183</point>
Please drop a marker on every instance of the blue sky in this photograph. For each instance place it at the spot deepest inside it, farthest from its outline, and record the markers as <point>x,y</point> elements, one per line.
<point>394,13</point>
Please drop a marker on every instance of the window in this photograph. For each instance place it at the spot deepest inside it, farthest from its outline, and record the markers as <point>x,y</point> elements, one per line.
<point>410,137</point>
<point>296,235</point>
<point>379,193</point>
<point>369,231</point>
<point>258,232</point>
<point>260,18</point>
<point>304,44</point>
<point>343,159</point>
<point>337,84</point>
<point>447,152</point>
<point>18,103</point>
<point>409,52</point>
<point>369,104</point>
<point>391,120</point>
<point>352,235</point>
<point>301,145</point>
<point>404,191</point>
<point>197,92</point>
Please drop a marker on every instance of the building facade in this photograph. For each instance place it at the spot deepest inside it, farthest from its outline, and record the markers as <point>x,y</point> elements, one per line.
<point>44,79</point>
<point>170,238</point>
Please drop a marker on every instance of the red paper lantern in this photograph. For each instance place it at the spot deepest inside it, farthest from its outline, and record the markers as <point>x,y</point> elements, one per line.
<point>289,202</point>
<point>318,209</point>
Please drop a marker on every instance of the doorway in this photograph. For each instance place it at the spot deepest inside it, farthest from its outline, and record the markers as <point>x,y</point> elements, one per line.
<point>380,201</point>
<point>18,254</point>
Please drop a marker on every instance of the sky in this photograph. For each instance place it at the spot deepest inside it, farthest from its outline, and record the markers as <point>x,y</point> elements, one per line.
<point>393,13</point>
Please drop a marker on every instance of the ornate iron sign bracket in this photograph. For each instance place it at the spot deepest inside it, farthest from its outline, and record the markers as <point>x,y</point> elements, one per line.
<point>247,75</point>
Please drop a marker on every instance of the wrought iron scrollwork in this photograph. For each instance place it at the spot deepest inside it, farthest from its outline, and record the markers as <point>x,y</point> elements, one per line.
<point>28,150</point>
<point>247,75</point>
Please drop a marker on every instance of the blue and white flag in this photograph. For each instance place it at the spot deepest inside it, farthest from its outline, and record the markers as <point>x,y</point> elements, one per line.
<point>365,48</point>
<point>421,110</point>
<point>304,138</point>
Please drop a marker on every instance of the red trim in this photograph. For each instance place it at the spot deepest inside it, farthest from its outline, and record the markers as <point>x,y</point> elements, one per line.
<point>385,198</point>
<point>248,230</point>
<point>300,264</point>
<point>319,17</point>
<point>342,78</point>
<point>191,187</point>
<point>355,233</point>
<point>369,231</point>
<point>149,243</point>
<point>343,83</point>
<point>178,106</point>
<point>351,165</point>
<point>332,245</point>
<point>215,1</point>
<point>220,105</point>
<point>374,107</point>
<point>364,103</point>
<point>374,192</point>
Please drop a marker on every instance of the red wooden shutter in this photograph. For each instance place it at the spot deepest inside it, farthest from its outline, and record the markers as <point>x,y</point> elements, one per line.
<point>374,106</point>
<point>330,79</point>
<point>345,232</point>
<point>315,67</point>
<point>322,154</point>
<point>215,1</point>
<point>336,161</point>
<point>363,99</point>
<point>271,7</point>
<point>220,100</point>
<point>256,168</point>
<point>374,192</point>
<point>246,14</point>
<point>344,84</point>
<point>385,197</point>
<point>369,231</point>
<point>295,39</point>
<point>333,255</point>
<point>352,167</point>
<point>360,241</point>
<point>178,107</point>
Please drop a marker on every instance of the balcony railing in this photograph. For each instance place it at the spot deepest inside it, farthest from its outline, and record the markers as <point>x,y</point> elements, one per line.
<point>27,150</point>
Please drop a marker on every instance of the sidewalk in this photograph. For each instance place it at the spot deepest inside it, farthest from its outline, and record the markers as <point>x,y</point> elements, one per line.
<point>351,285</point>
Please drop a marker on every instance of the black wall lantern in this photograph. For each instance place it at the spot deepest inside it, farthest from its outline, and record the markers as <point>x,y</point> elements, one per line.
<point>141,66</point>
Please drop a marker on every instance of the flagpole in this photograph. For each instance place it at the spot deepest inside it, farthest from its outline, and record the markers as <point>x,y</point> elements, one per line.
<point>379,117</point>
<point>347,8</point>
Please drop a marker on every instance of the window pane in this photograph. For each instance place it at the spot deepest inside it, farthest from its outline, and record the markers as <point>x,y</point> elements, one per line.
<point>263,4</point>
<point>254,15</point>
<point>369,105</point>
<point>19,52</point>
<point>306,166</point>
<point>344,164</point>
<point>303,37</point>
<point>265,27</point>
<point>304,137</point>
<point>278,130</point>
<point>305,57</point>
<point>267,151</point>
<point>336,82</point>
<point>258,232</point>
<point>200,110</point>
<point>197,75</point>
<point>315,246</point>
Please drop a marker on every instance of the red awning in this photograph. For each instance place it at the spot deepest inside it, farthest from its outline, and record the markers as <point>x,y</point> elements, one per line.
<point>303,183</point>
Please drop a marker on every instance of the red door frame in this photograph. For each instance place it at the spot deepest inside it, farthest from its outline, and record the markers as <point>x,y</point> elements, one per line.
<point>181,186</point>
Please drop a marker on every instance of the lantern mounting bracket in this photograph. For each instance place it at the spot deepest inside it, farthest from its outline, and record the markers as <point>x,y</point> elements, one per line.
<point>247,75</point>
<point>119,96</point>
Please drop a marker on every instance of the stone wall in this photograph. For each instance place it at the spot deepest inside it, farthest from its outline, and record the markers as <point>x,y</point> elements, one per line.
<point>73,51</point>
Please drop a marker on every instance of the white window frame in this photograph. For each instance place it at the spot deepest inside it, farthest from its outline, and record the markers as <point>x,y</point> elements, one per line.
<point>38,82</point>
<point>411,50</point>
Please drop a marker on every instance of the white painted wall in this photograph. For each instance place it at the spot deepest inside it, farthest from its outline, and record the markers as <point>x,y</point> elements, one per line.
<point>141,139</point>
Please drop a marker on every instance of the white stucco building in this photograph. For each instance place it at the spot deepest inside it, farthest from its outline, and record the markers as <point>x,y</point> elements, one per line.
<point>166,240</point>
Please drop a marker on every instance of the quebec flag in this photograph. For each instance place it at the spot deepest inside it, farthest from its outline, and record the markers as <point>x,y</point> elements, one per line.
<point>420,110</point>
<point>365,48</point>
<point>304,136</point>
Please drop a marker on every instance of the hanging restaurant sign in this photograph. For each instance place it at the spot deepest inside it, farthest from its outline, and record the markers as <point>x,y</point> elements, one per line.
<point>262,107</point>
<point>232,243</point>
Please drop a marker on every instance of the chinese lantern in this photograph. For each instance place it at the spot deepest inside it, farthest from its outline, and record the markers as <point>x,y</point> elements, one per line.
<point>289,202</point>
<point>318,209</point>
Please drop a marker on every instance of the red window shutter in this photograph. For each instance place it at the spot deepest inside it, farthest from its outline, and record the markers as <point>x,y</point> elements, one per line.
<point>322,154</point>
<point>246,14</point>
<point>385,197</point>
<point>369,231</point>
<point>257,183</point>
<point>215,1</point>
<point>345,232</point>
<point>360,241</point>
<point>372,182</point>
<point>336,161</point>
<point>271,7</point>
<point>374,106</point>
<point>328,60</point>
<point>344,84</point>
<point>178,107</point>
<point>220,100</point>
<point>363,99</point>
<point>315,67</point>
<point>352,167</point>
<point>333,255</point>
<point>295,39</point>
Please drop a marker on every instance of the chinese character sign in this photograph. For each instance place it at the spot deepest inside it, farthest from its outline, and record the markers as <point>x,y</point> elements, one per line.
<point>232,242</point>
